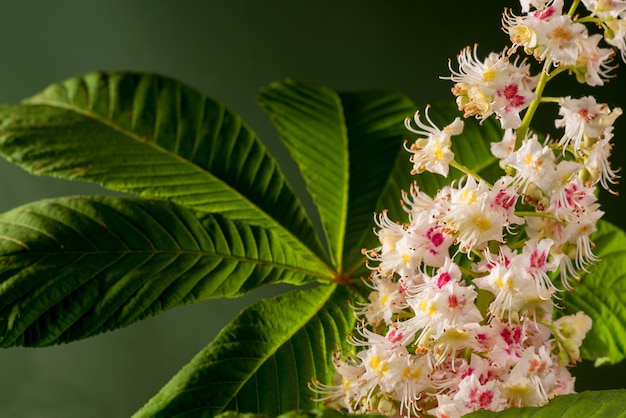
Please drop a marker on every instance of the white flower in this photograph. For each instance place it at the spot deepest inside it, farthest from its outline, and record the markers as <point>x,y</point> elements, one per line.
<point>505,147</point>
<point>411,378</point>
<point>346,384</point>
<point>432,153</point>
<point>546,34</point>
<point>534,164</point>
<point>598,165</point>
<point>525,387</point>
<point>494,85</point>
<point>582,118</point>
<point>471,217</point>
<point>561,35</point>
<point>503,199</point>
<point>386,300</point>
<point>592,65</point>
<point>578,230</point>
<point>605,8</point>
<point>574,327</point>
<point>516,292</point>
<point>571,197</point>
<point>475,395</point>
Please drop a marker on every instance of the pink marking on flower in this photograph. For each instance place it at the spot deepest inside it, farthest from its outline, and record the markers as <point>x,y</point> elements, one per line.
<point>537,260</point>
<point>586,115</point>
<point>511,337</point>
<point>443,279</point>
<point>467,372</point>
<point>545,13</point>
<point>504,200</point>
<point>453,302</point>
<point>511,94</point>
<point>482,399</point>
<point>435,237</point>
<point>394,336</point>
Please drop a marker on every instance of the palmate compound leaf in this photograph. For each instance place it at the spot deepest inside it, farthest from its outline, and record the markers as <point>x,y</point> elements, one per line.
<point>345,145</point>
<point>601,294</point>
<point>262,361</point>
<point>74,267</point>
<point>158,138</point>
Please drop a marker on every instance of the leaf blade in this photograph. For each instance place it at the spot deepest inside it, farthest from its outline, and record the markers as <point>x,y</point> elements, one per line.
<point>606,403</point>
<point>158,138</point>
<point>298,331</point>
<point>74,267</point>
<point>309,119</point>
<point>600,294</point>
<point>375,125</point>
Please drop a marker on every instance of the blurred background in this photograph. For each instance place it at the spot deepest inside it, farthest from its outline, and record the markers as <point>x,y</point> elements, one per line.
<point>227,50</point>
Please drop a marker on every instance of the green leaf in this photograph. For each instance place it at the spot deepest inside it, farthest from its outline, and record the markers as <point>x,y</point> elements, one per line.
<point>601,404</point>
<point>74,267</point>
<point>334,138</point>
<point>601,294</point>
<point>158,138</point>
<point>375,123</point>
<point>310,121</point>
<point>262,361</point>
<point>313,413</point>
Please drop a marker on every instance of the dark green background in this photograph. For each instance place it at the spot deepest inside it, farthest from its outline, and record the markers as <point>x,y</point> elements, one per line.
<point>228,50</point>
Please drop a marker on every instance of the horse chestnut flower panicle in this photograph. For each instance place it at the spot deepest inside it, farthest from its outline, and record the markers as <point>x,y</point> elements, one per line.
<point>461,314</point>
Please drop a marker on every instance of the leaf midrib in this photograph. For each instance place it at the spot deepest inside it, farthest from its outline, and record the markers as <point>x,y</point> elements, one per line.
<point>182,252</point>
<point>197,168</point>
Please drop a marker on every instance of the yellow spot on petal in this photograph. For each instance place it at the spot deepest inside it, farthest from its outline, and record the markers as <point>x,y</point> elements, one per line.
<point>489,75</point>
<point>383,298</point>
<point>427,307</point>
<point>411,374</point>
<point>468,196</point>
<point>482,223</point>
<point>438,154</point>
<point>378,365</point>
<point>503,284</point>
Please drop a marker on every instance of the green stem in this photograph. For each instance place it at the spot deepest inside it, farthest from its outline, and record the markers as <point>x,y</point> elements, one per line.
<point>469,172</point>
<point>550,99</point>
<point>522,131</point>
<point>573,8</point>
<point>467,272</point>
<point>538,215</point>
<point>590,19</point>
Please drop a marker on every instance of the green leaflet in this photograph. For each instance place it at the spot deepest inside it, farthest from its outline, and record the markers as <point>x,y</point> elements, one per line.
<point>334,138</point>
<point>601,404</point>
<point>74,267</point>
<point>158,138</point>
<point>264,359</point>
<point>601,294</point>
<point>313,413</point>
<point>375,122</point>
